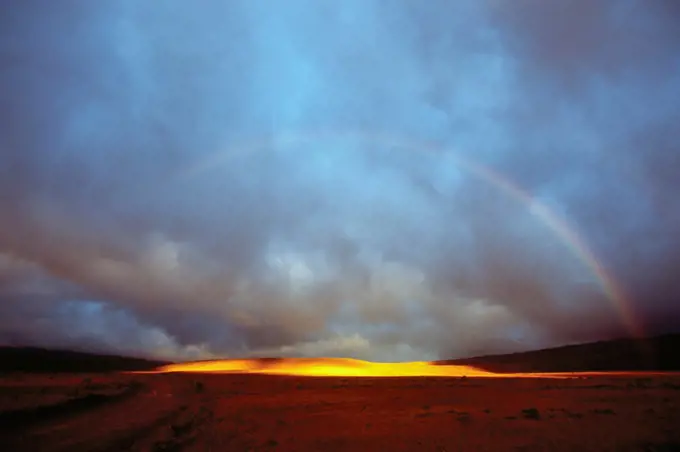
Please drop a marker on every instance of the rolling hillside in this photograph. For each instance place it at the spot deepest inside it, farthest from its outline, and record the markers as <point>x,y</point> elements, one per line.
<point>660,353</point>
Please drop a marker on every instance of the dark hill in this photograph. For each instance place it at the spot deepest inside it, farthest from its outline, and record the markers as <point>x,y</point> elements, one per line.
<point>660,353</point>
<point>40,360</point>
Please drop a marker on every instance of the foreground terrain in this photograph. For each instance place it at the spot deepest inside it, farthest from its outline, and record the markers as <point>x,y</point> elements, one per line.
<point>239,412</point>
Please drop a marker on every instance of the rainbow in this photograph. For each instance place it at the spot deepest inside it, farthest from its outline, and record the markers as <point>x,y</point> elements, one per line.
<point>567,234</point>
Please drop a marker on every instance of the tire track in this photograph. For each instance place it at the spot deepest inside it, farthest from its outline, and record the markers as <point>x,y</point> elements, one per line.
<point>158,414</point>
<point>90,423</point>
<point>17,420</point>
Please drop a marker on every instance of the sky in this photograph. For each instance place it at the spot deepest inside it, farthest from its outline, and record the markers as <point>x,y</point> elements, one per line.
<point>356,178</point>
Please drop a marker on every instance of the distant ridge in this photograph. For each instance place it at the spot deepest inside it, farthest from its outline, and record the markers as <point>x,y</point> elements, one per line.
<point>41,360</point>
<point>660,353</point>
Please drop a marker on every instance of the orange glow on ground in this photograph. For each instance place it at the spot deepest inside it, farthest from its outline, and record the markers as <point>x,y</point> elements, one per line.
<point>330,367</point>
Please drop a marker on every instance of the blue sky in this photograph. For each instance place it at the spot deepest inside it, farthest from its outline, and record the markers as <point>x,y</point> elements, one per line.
<point>248,177</point>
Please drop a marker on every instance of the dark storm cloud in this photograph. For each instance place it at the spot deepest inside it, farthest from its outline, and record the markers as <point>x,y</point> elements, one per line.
<point>177,180</point>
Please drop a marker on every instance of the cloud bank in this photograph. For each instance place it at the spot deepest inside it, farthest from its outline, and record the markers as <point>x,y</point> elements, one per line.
<point>245,178</point>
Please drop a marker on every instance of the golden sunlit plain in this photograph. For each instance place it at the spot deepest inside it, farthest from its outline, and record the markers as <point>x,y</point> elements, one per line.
<point>331,367</point>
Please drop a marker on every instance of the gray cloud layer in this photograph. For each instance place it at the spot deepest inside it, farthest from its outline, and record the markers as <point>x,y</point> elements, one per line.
<point>245,178</point>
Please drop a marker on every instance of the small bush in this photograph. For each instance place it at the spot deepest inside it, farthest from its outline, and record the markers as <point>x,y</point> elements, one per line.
<point>531,413</point>
<point>464,417</point>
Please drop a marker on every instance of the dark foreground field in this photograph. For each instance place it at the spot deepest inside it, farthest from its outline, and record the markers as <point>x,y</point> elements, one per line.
<point>187,412</point>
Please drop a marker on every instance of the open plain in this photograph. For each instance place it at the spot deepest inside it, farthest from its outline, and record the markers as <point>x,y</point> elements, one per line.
<point>239,412</point>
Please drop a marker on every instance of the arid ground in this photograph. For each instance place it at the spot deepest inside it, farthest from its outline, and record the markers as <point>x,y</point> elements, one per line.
<point>237,412</point>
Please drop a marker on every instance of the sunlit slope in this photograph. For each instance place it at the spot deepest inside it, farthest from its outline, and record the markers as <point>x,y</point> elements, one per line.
<point>339,367</point>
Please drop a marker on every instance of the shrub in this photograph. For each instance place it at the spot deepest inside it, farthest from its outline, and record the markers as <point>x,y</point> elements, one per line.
<point>531,413</point>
